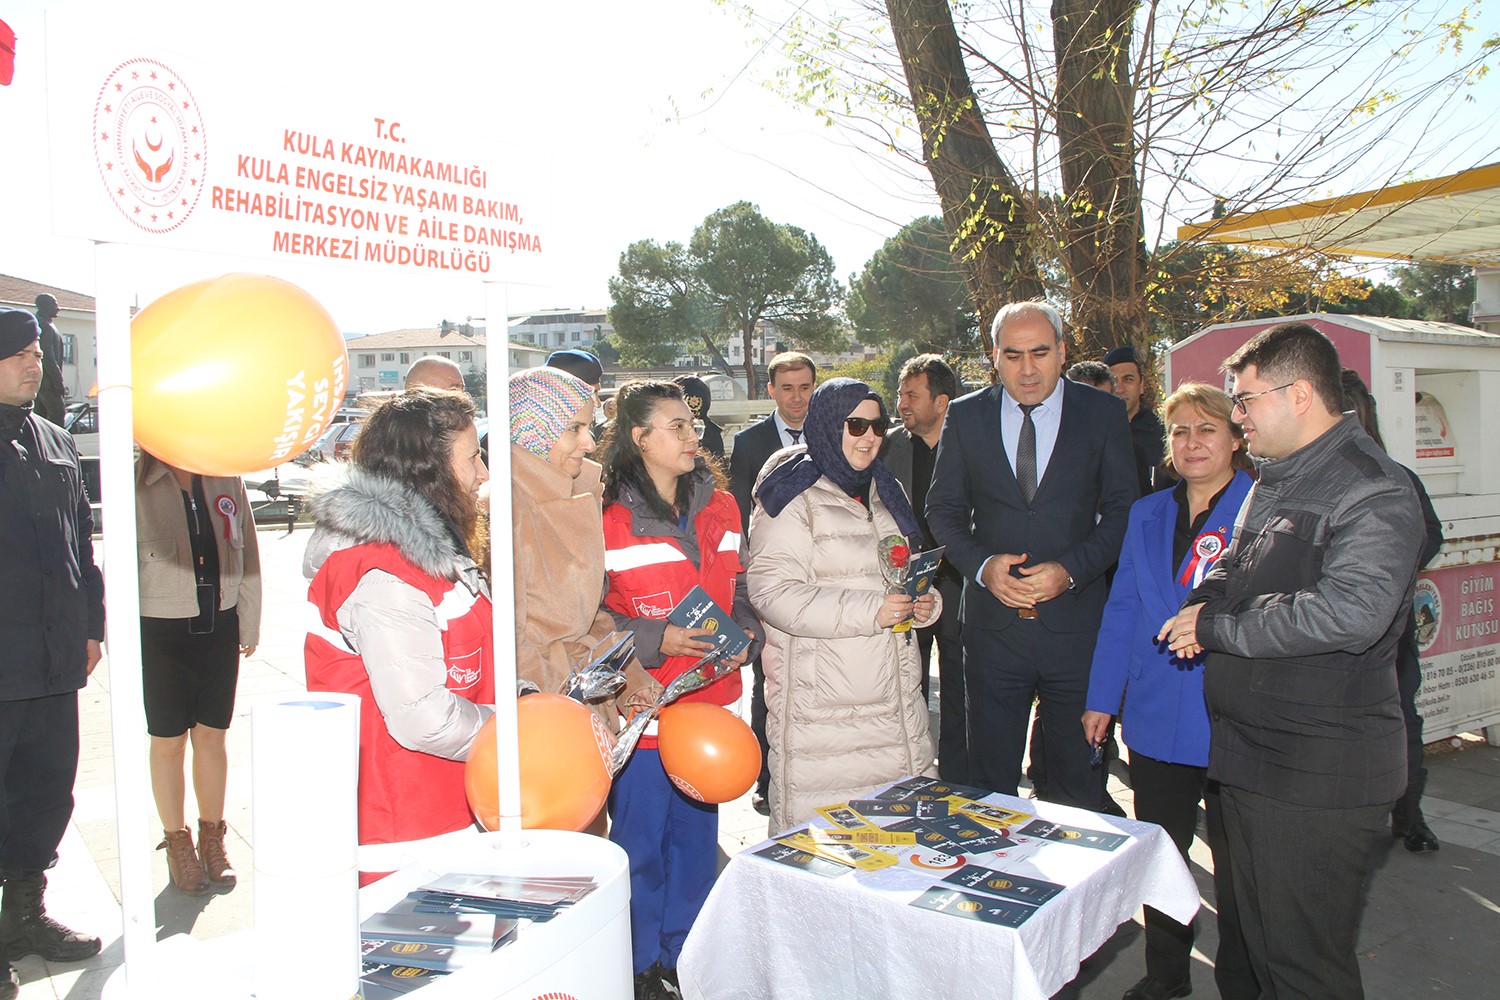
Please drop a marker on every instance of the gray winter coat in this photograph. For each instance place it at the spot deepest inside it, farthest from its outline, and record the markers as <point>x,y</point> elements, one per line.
<point>845,711</point>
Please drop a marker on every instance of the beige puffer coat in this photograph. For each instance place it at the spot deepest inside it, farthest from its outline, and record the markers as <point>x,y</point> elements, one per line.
<point>845,711</point>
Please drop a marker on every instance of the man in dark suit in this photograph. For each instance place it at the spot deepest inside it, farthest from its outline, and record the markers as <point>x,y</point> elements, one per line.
<point>1031,494</point>
<point>791,384</point>
<point>925,389</point>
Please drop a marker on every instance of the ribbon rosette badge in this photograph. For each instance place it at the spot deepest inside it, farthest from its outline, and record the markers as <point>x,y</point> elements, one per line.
<point>895,565</point>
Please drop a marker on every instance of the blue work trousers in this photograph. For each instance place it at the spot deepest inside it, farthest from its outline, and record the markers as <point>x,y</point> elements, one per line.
<point>673,844</point>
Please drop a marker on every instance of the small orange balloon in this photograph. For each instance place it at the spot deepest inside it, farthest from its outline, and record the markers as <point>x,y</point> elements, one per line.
<point>235,374</point>
<point>708,752</point>
<point>564,751</point>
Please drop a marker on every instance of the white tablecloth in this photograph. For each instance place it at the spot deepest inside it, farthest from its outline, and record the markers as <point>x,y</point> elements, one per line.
<point>769,931</point>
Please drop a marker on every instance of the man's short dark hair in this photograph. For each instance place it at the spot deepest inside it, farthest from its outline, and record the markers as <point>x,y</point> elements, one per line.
<point>1291,352</point>
<point>940,378</point>
<point>1094,373</point>
<point>791,361</point>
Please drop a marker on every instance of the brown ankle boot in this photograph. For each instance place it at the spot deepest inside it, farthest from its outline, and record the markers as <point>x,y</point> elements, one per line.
<point>182,862</point>
<point>211,852</point>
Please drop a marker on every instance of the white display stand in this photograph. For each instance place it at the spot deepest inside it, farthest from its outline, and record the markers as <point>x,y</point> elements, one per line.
<point>583,952</point>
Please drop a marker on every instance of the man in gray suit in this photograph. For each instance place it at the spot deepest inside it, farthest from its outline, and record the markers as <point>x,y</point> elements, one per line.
<point>1031,494</point>
<point>927,385</point>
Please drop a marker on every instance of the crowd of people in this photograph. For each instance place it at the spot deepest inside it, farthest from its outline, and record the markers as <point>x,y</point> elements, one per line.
<point>1104,561</point>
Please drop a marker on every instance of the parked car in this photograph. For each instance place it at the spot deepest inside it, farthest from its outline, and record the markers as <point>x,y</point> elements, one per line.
<point>334,445</point>
<point>82,421</point>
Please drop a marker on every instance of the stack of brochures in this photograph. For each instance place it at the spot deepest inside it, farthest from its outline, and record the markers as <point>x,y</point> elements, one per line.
<point>452,922</point>
<point>977,858</point>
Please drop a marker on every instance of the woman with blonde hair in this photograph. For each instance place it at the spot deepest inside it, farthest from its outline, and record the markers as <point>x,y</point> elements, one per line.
<point>1173,538</point>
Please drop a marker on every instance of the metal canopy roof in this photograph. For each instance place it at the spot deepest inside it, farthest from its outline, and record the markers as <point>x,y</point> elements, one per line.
<point>1453,219</point>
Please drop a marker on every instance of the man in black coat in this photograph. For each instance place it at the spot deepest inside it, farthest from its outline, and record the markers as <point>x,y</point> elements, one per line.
<point>1031,494</point>
<point>1147,433</point>
<point>792,376</point>
<point>51,629</point>
<point>926,388</point>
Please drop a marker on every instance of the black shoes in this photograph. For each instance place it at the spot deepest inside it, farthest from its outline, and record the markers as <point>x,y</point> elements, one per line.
<point>1408,825</point>
<point>10,986</point>
<point>657,983</point>
<point>1151,988</point>
<point>25,928</point>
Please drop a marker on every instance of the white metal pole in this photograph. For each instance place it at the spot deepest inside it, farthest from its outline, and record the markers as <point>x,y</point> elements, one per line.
<point>502,561</point>
<point>133,800</point>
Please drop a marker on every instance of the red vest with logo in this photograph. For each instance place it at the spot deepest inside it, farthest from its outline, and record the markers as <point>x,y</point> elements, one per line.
<point>649,576</point>
<point>403,794</point>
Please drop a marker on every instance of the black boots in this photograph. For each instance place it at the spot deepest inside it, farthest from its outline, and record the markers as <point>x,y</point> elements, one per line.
<point>1408,825</point>
<point>25,928</point>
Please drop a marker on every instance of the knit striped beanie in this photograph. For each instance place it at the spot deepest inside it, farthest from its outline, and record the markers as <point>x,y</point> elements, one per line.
<point>542,401</point>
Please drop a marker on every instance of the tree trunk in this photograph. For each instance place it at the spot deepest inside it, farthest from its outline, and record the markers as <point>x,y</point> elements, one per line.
<point>720,362</point>
<point>752,388</point>
<point>983,205</point>
<point>1101,222</point>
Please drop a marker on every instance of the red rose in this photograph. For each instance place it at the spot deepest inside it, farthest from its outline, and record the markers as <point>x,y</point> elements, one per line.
<point>899,555</point>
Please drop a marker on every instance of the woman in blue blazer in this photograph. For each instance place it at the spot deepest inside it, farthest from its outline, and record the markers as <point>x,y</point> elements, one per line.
<point>1172,539</point>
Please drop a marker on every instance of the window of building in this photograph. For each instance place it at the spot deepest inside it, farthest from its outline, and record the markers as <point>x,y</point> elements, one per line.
<point>446,354</point>
<point>388,357</point>
<point>577,335</point>
<point>70,349</point>
<point>405,358</point>
<point>367,361</point>
<point>466,355</point>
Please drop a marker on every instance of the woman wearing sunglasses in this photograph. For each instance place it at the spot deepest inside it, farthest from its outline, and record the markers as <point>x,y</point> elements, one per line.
<point>845,711</point>
<point>669,526</point>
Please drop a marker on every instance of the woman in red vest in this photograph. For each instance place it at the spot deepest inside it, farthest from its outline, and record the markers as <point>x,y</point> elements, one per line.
<point>405,617</point>
<point>669,526</point>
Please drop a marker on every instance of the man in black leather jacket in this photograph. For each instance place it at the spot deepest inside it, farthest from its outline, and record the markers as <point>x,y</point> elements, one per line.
<point>1300,618</point>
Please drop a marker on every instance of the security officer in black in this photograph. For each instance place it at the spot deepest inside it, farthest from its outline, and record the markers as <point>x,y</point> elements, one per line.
<point>51,626</point>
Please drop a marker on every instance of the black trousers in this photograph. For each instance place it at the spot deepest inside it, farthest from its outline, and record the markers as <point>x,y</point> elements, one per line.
<point>1003,670</point>
<point>1408,680</point>
<point>953,740</point>
<point>1298,875</point>
<point>758,723</point>
<point>1167,794</point>
<point>38,764</point>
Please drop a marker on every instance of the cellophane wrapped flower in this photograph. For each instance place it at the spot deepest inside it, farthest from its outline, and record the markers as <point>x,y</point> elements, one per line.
<point>895,564</point>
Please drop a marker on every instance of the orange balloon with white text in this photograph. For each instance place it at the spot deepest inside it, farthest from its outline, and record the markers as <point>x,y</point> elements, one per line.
<point>235,374</point>
<point>564,754</point>
<point>707,751</point>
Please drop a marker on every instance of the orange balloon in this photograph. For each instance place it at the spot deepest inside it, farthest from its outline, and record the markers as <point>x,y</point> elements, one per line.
<point>235,374</point>
<point>564,751</point>
<point>708,752</point>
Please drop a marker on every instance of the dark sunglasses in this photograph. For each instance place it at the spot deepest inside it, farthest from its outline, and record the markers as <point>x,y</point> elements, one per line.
<point>858,425</point>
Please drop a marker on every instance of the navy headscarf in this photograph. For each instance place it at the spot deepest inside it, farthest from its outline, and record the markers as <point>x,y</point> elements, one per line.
<point>823,432</point>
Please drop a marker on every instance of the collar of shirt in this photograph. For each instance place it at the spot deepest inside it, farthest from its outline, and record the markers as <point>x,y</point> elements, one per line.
<point>782,427</point>
<point>1047,418</point>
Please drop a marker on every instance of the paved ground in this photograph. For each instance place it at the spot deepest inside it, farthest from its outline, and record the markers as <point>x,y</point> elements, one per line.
<point>1429,928</point>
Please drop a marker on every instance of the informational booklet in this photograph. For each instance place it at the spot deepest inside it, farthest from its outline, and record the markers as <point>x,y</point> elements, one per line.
<point>698,610</point>
<point>542,891</point>
<point>1003,884</point>
<point>900,808</point>
<point>922,570</point>
<point>972,906</point>
<point>795,857</point>
<point>423,954</point>
<point>1098,840</point>
<point>379,981</point>
<point>402,922</point>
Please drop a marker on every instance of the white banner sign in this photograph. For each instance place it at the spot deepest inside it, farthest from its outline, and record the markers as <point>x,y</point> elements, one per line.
<point>154,147</point>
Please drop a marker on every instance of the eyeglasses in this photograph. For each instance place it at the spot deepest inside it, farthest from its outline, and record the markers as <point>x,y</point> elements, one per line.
<point>858,425</point>
<point>1241,399</point>
<point>684,430</point>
